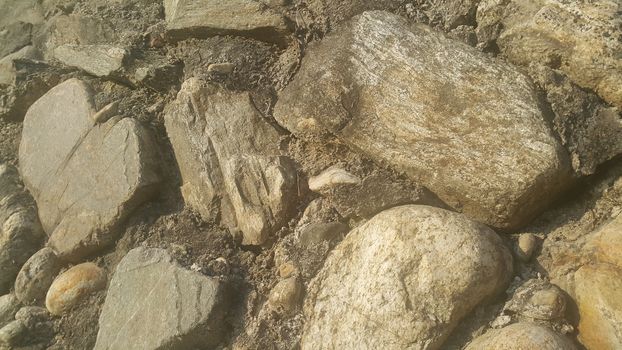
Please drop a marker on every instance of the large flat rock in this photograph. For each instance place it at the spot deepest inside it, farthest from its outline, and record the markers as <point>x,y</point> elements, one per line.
<point>203,18</point>
<point>20,230</point>
<point>466,126</point>
<point>153,303</point>
<point>230,160</point>
<point>85,177</point>
<point>403,280</point>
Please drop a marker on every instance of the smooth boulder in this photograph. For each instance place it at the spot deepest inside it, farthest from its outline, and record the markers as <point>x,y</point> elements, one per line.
<point>466,126</point>
<point>230,160</point>
<point>521,336</point>
<point>153,303</point>
<point>36,276</point>
<point>404,280</point>
<point>85,177</point>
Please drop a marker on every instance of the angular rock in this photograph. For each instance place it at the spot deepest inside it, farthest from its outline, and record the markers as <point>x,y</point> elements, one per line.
<point>537,300</point>
<point>9,305</point>
<point>75,29</point>
<point>285,295</point>
<point>527,243</point>
<point>598,297</point>
<point>229,157</point>
<point>581,38</point>
<point>318,232</point>
<point>36,276</point>
<point>412,272</point>
<point>466,126</point>
<point>86,178</point>
<point>9,68</point>
<point>99,60</point>
<point>521,336</point>
<point>14,37</point>
<point>153,303</point>
<point>204,18</point>
<point>74,285</point>
<point>159,76</point>
<point>20,230</point>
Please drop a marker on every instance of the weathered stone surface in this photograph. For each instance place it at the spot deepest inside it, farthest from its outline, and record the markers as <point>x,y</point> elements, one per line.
<point>332,177</point>
<point>99,60</point>
<point>598,297</point>
<point>202,18</point>
<point>580,38</point>
<point>8,307</point>
<point>9,68</point>
<point>72,286</point>
<point>20,230</point>
<point>86,178</point>
<point>605,245</point>
<point>382,86</point>
<point>412,273</point>
<point>12,333</point>
<point>36,276</point>
<point>75,29</point>
<point>14,36</point>
<point>318,232</point>
<point>229,157</point>
<point>153,303</point>
<point>521,336</point>
<point>285,295</point>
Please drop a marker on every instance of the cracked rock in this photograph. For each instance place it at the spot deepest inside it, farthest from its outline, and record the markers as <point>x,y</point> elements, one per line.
<point>153,303</point>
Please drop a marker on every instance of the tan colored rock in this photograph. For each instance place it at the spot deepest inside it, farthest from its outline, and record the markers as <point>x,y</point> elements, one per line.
<point>521,336</point>
<point>403,280</point>
<point>606,244</point>
<point>230,160</point>
<point>36,276</point>
<point>578,37</point>
<point>286,295</point>
<point>99,60</point>
<point>331,177</point>
<point>74,285</point>
<point>599,299</point>
<point>381,86</point>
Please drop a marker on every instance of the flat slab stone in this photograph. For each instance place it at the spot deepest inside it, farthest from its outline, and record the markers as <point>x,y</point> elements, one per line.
<point>99,60</point>
<point>464,125</point>
<point>85,177</point>
<point>153,303</point>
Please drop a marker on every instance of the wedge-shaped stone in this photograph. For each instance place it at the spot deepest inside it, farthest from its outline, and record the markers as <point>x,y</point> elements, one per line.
<point>466,126</point>
<point>229,159</point>
<point>403,280</point>
<point>85,177</point>
<point>153,303</point>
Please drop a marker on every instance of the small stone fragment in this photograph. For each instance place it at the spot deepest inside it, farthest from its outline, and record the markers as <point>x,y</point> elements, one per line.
<point>286,295</point>
<point>521,336</point>
<point>99,60</point>
<point>222,68</point>
<point>14,36</point>
<point>8,307</point>
<point>331,177</point>
<point>32,316</point>
<point>74,285</point>
<point>526,245</point>
<point>109,111</point>
<point>36,276</point>
<point>10,71</point>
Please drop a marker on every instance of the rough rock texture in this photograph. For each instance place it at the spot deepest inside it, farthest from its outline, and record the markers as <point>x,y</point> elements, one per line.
<point>8,307</point>
<point>153,303</point>
<point>86,178</point>
<point>20,230</point>
<point>14,36</point>
<point>9,68</point>
<point>99,60</point>
<point>412,273</point>
<point>36,276</point>
<point>580,38</point>
<point>203,18</point>
<point>520,336</point>
<point>75,29</point>
<point>229,157</point>
<point>433,108</point>
<point>72,286</point>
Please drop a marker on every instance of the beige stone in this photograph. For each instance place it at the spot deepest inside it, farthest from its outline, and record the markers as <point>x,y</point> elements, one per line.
<point>521,336</point>
<point>74,285</point>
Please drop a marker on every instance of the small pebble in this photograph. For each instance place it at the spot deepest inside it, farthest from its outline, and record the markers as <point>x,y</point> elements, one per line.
<point>285,295</point>
<point>72,286</point>
<point>36,276</point>
<point>332,177</point>
<point>526,246</point>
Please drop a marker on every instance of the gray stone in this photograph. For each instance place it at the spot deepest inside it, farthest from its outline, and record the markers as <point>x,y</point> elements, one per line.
<point>86,178</point>
<point>75,29</point>
<point>14,37</point>
<point>412,273</point>
<point>20,230</point>
<point>521,336</point>
<point>581,38</point>
<point>9,305</point>
<point>153,303</point>
<point>319,232</point>
<point>12,334</point>
<point>32,316</point>
<point>36,276</point>
<point>99,60</point>
<point>9,68</point>
<point>203,18</point>
<point>435,109</point>
<point>229,158</point>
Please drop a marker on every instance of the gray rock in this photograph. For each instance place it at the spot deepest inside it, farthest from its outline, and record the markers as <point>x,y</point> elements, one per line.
<point>581,38</point>
<point>27,11</point>
<point>153,303</point>
<point>36,276</point>
<point>319,232</point>
<point>32,316</point>
<point>20,230</point>
<point>9,69</point>
<point>538,300</point>
<point>229,158</point>
<point>9,305</point>
<point>69,163</point>
<point>381,86</point>
<point>412,273</point>
<point>99,60</point>
<point>14,36</point>
<point>203,18</point>
<point>521,336</point>
<point>12,334</point>
<point>75,29</point>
